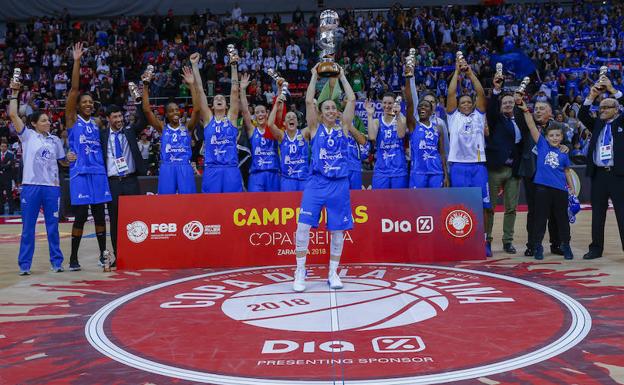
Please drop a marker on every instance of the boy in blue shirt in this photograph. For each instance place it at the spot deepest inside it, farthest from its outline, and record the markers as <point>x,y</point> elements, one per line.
<point>552,181</point>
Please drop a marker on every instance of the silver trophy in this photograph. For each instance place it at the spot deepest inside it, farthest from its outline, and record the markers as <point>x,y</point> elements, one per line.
<point>499,70</point>
<point>147,75</point>
<point>459,57</point>
<point>397,103</point>
<point>134,92</point>
<point>275,76</point>
<point>523,85</point>
<point>17,74</point>
<point>285,91</point>
<point>410,62</point>
<point>603,74</point>
<point>232,54</point>
<point>327,44</point>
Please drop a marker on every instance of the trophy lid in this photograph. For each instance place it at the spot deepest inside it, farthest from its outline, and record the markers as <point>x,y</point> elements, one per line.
<point>329,19</point>
<point>499,67</point>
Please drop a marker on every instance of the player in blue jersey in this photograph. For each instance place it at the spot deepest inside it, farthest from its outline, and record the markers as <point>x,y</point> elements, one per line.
<point>221,172</point>
<point>264,172</point>
<point>88,181</point>
<point>329,184</point>
<point>428,161</point>
<point>176,173</point>
<point>387,132</point>
<point>359,148</point>
<point>294,149</point>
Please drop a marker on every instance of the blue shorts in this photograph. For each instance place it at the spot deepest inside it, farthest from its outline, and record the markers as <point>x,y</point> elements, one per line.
<point>290,184</point>
<point>222,180</point>
<point>88,189</point>
<point>176,178</point>
<point>355,180</point>
<point>426,180</point>
<point>471,175</point>
<point>389,182</point>
<point>334,195</point>
<point>263,181</point>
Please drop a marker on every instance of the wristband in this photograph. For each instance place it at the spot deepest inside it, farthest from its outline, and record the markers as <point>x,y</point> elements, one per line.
<point>13,98</point>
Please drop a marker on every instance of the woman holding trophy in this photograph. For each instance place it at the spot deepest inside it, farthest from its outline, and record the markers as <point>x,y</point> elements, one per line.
<point>329,183</point>
<point>221,172</point>
<point>176,172</point>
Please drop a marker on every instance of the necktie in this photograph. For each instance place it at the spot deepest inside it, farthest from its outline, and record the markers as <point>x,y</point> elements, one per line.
<point>606,140</point>
<point>118,150</point>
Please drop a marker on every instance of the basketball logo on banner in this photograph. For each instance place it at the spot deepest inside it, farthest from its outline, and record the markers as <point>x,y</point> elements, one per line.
<point>137,231</point>
<point>459,223</point>
<point>193,230</point>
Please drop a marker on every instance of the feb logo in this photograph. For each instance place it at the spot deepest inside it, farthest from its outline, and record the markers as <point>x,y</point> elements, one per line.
<point>391,324</point>
<point>137,231</point>
<point>459,223</point>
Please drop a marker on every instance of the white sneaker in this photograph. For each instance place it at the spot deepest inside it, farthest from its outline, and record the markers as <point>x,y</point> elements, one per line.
<point>334,281</point>
<point>299,282</point>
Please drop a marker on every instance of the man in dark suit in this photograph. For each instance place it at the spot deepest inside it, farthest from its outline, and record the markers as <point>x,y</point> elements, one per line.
<point>7,160</point>
<point>543,117</point>
<point>503,158</point>
<point>120,146</point>
<point>604,166</point>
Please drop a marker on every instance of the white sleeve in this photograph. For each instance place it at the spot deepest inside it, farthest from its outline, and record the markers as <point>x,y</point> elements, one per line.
<point>25,135</point>
<point>60,151</point>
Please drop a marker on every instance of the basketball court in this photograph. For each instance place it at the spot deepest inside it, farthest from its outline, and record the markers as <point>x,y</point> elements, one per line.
<point>506,320</point>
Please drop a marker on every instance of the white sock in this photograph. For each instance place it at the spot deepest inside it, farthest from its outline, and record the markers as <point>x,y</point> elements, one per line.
<point>333,266</point>
<point>301,263</point>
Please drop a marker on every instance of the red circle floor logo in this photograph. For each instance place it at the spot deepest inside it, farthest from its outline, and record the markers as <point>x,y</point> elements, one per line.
<point>390,324</point>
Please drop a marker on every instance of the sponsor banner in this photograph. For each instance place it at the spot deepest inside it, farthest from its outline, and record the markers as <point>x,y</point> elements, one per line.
<point>254,229</point>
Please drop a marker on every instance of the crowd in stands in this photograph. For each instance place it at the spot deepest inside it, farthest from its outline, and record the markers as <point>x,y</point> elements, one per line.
<point>566,43</point>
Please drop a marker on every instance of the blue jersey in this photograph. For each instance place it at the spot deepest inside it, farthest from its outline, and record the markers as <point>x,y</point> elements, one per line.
<point>84,141</point>
<point>357,152</point>
<point>220,143</point>
<point>551,165</point>
<point>390,153</point>
<point>329,153</point>
<point>263,153</point>
<point>425,156</point>
<point>295,156</point>
<point>175,145</point>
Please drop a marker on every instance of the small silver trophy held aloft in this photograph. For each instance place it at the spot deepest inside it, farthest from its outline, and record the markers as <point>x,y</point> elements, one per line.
<point>410,62</point>
<point>327,43</point>
<point>275,76</point>
<point>603,74</point>
<point>397,104</point>
<point>147,75</point>
<point>17,74</point>
<point>233,54</point>
<point>459,57</point>
<point>524,84</point>
<point>499,70</point>
<point>134,92</point>
<point>285,91</point>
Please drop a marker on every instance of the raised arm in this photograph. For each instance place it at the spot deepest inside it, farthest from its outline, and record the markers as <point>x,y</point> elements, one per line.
<point>412,104</point>
<point>13,115</point>
<point>401,123</point>
<point>349,110</point>
<point>152,120</point>
<point>74,91</point>
<point>451,94</point>
<point>481,102</point>
<point>234,95</point>
<point>277,133</point>
<point>312,117</point>
<point>373,124</point>
<point>535,134</point>
<point>583,115</point>
<point>249,127</point>
<point>189,79</point>
<point>204,110</point>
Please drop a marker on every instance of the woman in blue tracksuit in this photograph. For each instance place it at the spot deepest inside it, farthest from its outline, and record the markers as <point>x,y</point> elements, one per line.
<point>40,183</point>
